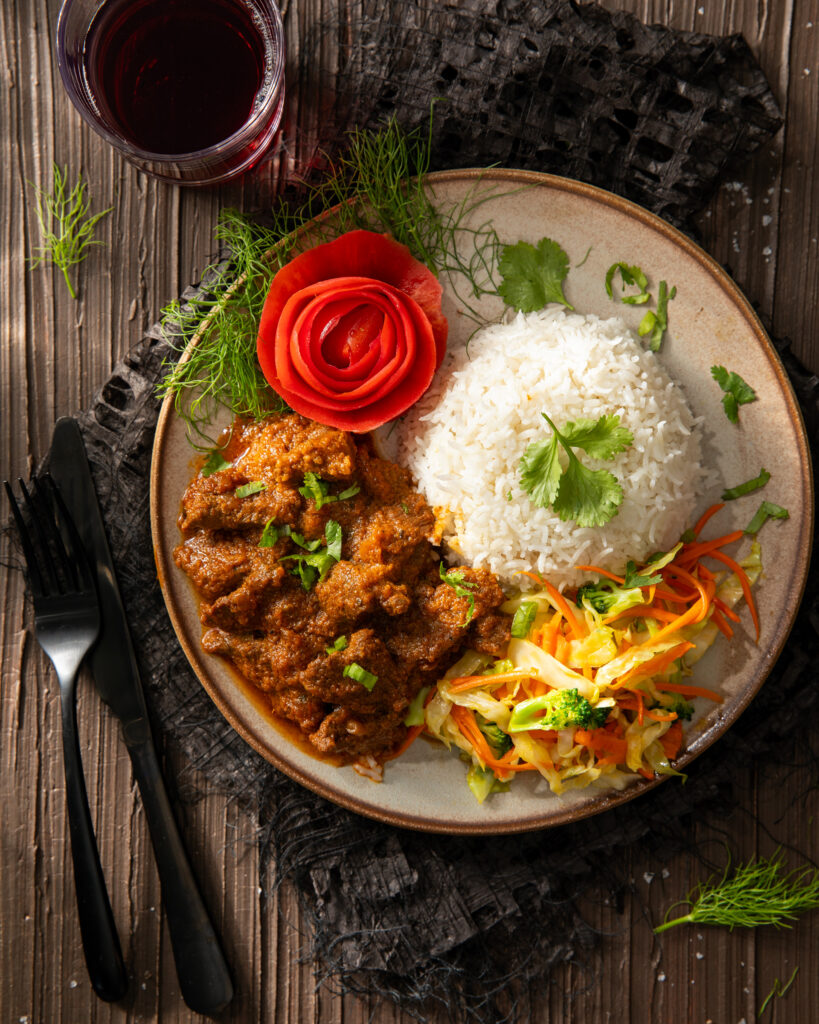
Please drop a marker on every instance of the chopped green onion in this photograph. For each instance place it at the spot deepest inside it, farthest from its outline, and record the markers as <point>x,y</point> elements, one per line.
<point>360,675</point>
<point>767,510</point>
<point>339,644</point>
<point>748,487</point>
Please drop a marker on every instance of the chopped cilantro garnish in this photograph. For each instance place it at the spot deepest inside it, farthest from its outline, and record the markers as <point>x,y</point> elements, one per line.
<point>748,487</point>
<point>589,497</point>
<point>319,490</point>
<point>737,391</point>
<point>634,579</point>
<point>655,324</point>
<point>339,644</point>
<point>523,619</point>
<point>270,534</point>
<point>214,462</point>
<point>631,277</point>
<point>533,275</point>
<point>405,508</point>
<point>253,487</point>
<point>767,510</point>
<point>314,566</point>
<point>361,675</point>
<point>456,579</point>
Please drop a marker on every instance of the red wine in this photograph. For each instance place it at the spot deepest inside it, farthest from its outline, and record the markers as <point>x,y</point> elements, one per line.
<point>175,75</point>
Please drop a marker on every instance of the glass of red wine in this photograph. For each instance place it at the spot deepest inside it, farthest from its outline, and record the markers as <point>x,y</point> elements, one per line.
<point>191,91</point>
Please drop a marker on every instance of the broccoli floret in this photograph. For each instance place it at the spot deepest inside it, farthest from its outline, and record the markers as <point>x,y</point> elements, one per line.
<point>607,597</point>
<point>560,709</point>
<point>497,739</point>
<point>682,707</point>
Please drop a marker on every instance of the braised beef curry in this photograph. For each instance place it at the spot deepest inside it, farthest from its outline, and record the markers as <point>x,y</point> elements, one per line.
<point>339,613</point>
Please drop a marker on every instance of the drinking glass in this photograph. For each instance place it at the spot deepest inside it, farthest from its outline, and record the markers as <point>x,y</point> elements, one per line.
<point>98,47</point>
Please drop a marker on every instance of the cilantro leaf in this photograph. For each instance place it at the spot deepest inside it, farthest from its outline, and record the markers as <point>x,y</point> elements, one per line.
<point>319,490</point>
<point>655,324</point>
<point>767,510</point>
<point>634,579</point>
<point>748,487</point>
<point>314,566</point>
<point>540,471</point>
<point>533,275</point>
<point>737,391</point>
<point>214,462</point>
<point>455,578</point>
<point>601,439</point>
<point>360,674</point>
<point>253,487</point>
<point>589,497</point>
<point>270,534</point>
<point>631,277</point>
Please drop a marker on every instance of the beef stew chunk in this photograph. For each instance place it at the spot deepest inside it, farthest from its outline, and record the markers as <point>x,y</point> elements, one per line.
<point>306,627</point>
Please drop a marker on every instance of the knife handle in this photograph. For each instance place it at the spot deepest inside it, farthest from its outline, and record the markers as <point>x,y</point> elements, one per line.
<point>100,942</point>
<point>204,978</point>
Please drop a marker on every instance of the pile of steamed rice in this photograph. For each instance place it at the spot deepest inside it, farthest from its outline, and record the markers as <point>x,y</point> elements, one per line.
<point>464,439</point>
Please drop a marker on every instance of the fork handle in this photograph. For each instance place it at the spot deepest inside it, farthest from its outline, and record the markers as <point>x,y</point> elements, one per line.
<point>203,974</point>
<point>100,941</point>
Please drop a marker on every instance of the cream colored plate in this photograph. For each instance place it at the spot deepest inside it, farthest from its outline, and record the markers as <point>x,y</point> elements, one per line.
<point>710,322</point>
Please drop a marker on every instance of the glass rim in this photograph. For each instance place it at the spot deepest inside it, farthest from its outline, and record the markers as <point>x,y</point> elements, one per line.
<point>84,100</point>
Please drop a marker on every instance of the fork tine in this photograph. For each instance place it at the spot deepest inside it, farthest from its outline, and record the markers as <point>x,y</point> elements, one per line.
<point>75,551</point>
<point>35,578</point>
<point>64,565</point>
<point>42,527</point>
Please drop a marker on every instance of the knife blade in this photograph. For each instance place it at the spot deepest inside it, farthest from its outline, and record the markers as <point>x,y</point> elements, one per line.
<point>204,978</point>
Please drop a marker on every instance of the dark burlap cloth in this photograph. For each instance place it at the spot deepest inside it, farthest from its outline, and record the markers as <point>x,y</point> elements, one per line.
<point>466,923</point>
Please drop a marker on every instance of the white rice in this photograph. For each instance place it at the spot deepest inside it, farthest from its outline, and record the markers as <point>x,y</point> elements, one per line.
<point>463,442</point>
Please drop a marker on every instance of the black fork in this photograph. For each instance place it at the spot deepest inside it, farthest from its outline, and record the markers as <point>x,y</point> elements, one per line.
<point>67,623</point>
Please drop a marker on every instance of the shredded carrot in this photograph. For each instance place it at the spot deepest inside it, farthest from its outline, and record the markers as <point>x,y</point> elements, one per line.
<point>654,666</point>
<point>671,740</point>
<point>729,613</point>
<point>562,605</point>
<point>692,552</point>
<point>744,582</point>
<point>465,721</point>
<point>647,773</point>
<point>642,611</point>
<point>653,713</point>
<point>413,732</point>
<point>461,683</point>
<point>720,623</point>
<point>706,516</point>
<point>602,740</point>
<point>690,691</point>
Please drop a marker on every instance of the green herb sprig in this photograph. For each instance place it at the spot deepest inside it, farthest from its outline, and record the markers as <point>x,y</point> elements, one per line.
<point>463,588</point>
<point>376,184</point>
<point>655,322</point>
<point>760,892</point>
<point>778,991</point>
<point>66,225</point>
<point>533,275</point>
<point>737,391</point>
<point>632,277</point>
<point>589,497</point>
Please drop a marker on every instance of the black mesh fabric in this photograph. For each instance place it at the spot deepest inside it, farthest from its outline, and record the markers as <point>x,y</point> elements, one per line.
<point>441,921</point>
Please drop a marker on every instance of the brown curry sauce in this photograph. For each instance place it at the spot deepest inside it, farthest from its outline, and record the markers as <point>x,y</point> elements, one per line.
<point>400,621</point>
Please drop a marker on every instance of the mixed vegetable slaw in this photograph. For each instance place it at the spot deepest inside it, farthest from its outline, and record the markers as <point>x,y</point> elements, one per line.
<point>595,684</point>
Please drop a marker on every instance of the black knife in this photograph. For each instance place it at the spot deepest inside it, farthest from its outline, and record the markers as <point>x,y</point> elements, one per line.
<point>203,974</point>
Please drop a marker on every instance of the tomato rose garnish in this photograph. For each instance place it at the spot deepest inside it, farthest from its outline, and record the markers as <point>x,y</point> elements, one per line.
<point>352,331</point>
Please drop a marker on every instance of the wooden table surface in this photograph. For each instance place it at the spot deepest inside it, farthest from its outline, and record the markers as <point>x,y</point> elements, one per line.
<point>54,354</point>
